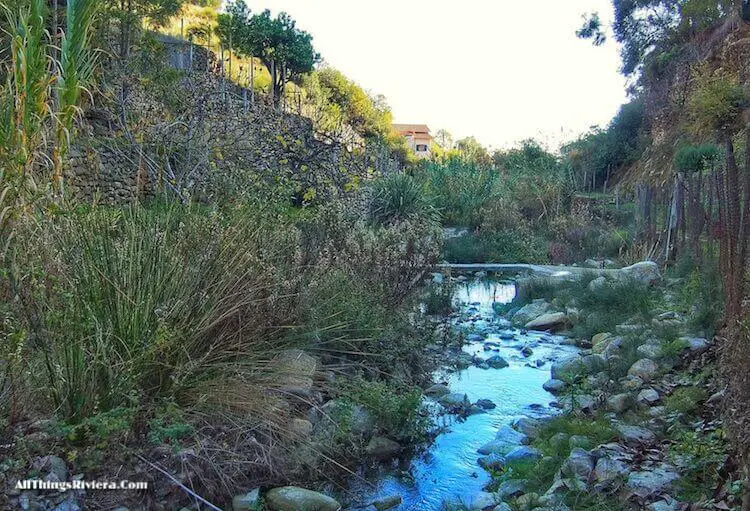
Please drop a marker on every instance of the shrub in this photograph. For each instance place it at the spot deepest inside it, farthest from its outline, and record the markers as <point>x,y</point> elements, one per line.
<point>685,400</point>
<point>398,412</point>
<point>398,197</point>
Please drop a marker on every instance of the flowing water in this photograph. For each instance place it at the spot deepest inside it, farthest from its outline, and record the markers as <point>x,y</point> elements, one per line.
<point>447,470</point>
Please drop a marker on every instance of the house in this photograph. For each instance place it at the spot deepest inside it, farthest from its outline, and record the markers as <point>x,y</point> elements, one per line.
<point>418,136</point>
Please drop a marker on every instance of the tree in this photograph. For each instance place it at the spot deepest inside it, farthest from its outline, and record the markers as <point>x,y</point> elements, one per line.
<point>444,139</point>
<point>284,49</point>
<point>130,15</point>
<point>471,150</point>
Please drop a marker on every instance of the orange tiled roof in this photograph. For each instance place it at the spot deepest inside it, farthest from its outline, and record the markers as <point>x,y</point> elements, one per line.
<point>411,128</point>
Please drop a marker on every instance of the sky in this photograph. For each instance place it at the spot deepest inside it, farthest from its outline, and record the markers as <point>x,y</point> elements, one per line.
<point>500,70</point>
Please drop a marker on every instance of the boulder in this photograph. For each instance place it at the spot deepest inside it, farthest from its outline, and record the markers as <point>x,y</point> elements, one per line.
<point>527,426</point>
<point>436,390</point>
<point>493,462</point>
<point>580,441</point>
<point>648,397</point>
<point>527,501</point>
<point>578,465</point>
<point>296,370</point>
<point>526,351</point>
<point>510,435</point>
<point>608,472</point>
<point>554,386</point>
<point>634,435</point>
<point>483,500</point>
<point>620,403</point>
<point>656,480</point>
<point>510,489</point>
<point>580,402</point>
<point>291,498</point>
<point>549,321</point>
<point>568,369</point>
<point>387,503</point>
<point>597,283</point>
<point>559,441</point>
<point>645,272</point>
<point>696,344</point>
<point>382,448</point>
<point>53,468</point>
<point>530,311</point>
<point>645,369</point>
<point>455,401</point>
<point>497,362</point>
<point>486,404</point>
<point>502,507</point>
<point>300,428</point>
<point>651,351</point>
<point>523,453</point>
<point>600,337</point>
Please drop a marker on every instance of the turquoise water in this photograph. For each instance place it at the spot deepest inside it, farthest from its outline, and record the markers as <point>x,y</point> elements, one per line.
<point>448,470</point>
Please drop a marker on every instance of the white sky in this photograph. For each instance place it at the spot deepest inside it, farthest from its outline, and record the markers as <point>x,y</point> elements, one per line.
<point>500,70</point>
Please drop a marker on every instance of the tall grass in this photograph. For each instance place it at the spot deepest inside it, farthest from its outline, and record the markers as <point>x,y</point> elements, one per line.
<point>138,305</point>
<point>398,197</point>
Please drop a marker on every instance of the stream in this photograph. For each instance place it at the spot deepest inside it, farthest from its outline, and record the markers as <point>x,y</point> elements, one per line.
<point>447,470</point>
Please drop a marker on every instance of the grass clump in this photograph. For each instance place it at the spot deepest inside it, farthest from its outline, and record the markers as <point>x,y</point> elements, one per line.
<point>702,456</point>
<point>685,400</point>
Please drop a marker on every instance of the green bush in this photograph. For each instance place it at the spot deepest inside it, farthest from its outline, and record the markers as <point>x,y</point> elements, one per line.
<point>397,411</point>
<point>685,400</point>
<point>703,456</point>
<point>501,247</point>
<point>398,197</point>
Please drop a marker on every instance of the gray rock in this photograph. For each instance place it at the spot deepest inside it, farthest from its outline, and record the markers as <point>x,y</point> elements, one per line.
<point>597,283</point>
<point>527,502</point>
<point>454,401</point>
<point>579,441</point>
<point>657,480</point>
<point>510,435</point>
<point>526,351</point>
<point>497,362</point>
<point>296,370</point>
<point>522,454</point>
<point>669,504</point>
<point>645,272</point>
<point>502,507</point>
<point>493,462</point>
<point>483,500</point>
<point>631,383</point>
<point>300,428</point>
<point>580,402</point>
<point>696,344</point>
<point>530,311</point>
<point>608,473</point>
<point>645,369</point>
<point>554,386</point>
<point>247,502</point>
<point>436,390</point>
<point>387,503</point>
<point>620,403</point>
<point>548,321</point>
<point>382,448</point>
<point>568,369</point>
<point>510,489</point>
<point>634,435</point>
<point>559,441</point>
<point>291,498</point>
<point>652,351</point>
<point>69,504</point>
<point>648,397</point>
<point>578,465</point>
<point>53,467</point>
<point>527,426</point>
<point>486,404</point>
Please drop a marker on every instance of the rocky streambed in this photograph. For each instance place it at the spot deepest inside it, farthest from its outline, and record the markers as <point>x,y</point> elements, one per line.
<point>496,381</point>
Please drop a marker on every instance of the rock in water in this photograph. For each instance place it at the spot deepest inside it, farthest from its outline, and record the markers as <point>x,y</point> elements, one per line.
<point>497,362</point>
<point>530,311</point>
<point>387,503</point>
<point>291,498</point>
<point>554,386</point>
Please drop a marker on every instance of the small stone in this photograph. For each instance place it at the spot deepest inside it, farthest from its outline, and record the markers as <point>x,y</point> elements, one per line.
<point>578,465</point>
<point>652,351</point>
<point>522,454</point>
<point>526,351</point>
<point>493,462</point>
<point>527,426</point>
